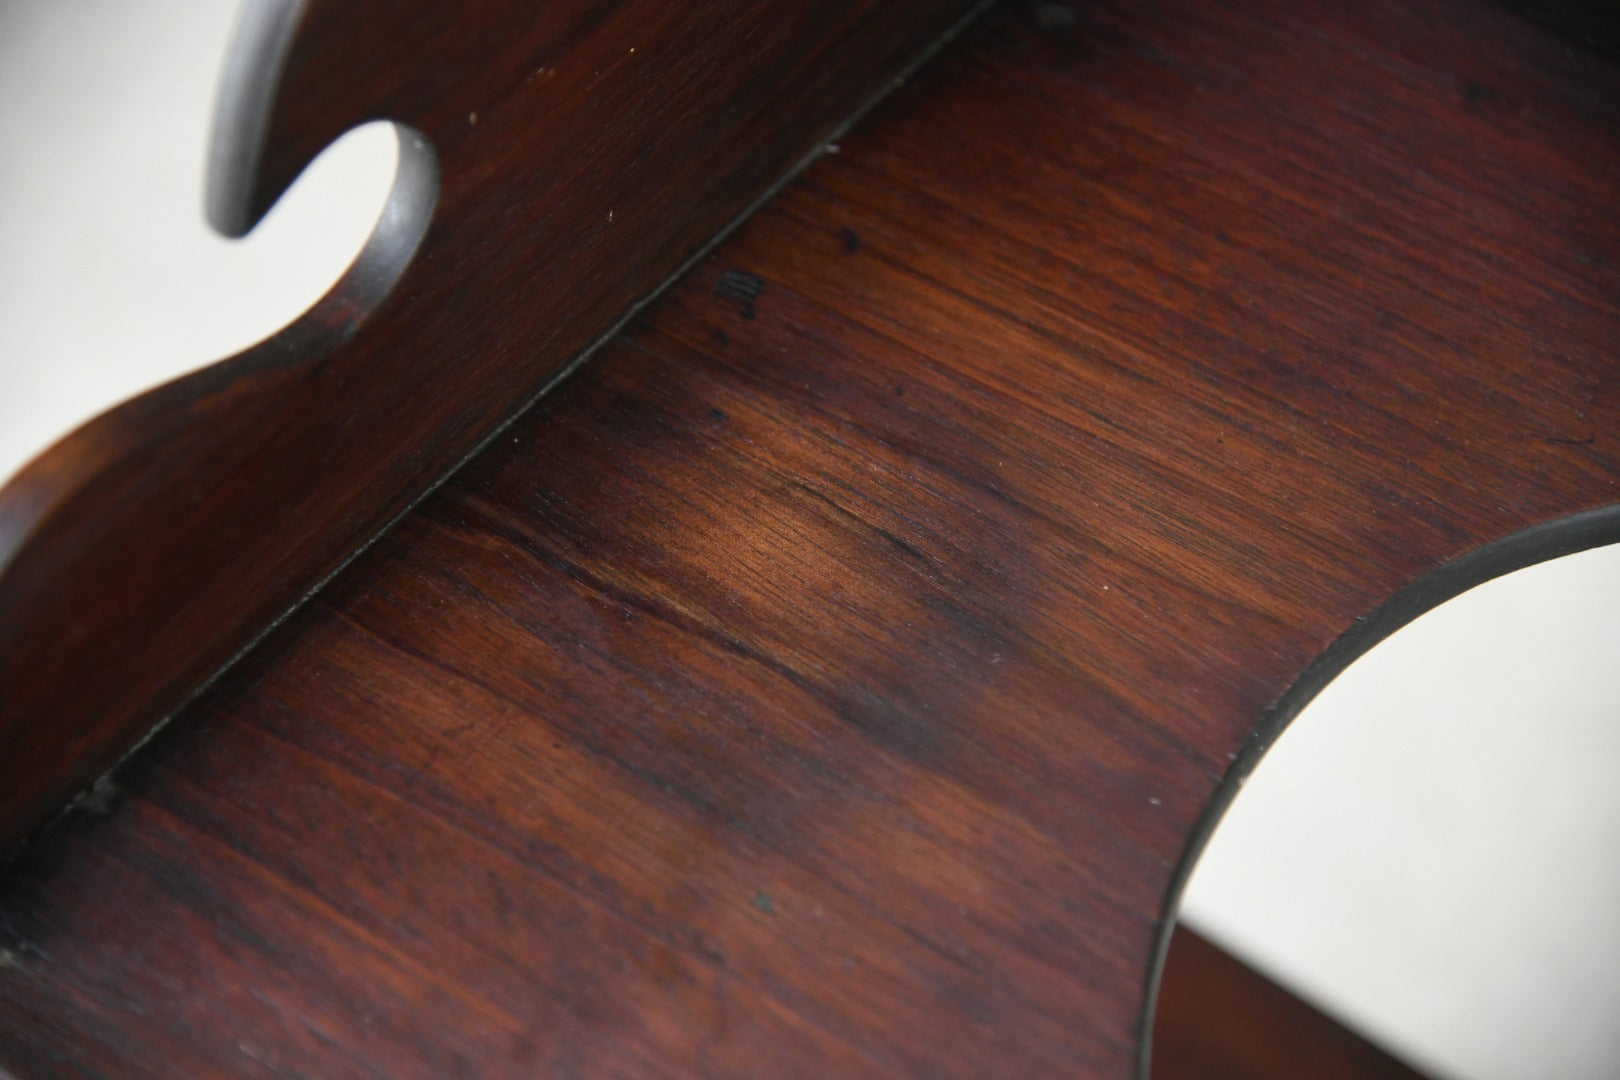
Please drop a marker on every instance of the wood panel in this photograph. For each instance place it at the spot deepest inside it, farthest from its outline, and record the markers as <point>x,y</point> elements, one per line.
<point>1219,1019</point>
<point>559,162</point>
<point>833,676</point>
<point>1593,23</point>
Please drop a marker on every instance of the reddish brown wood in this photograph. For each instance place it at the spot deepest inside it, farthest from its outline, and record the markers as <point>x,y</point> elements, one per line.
<point>828,678</point>
<point>586,151</point>
<point>1219,1019</point>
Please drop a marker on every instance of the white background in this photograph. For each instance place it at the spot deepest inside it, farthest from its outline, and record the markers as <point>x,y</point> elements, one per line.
<point>1430,852</point>
<point>110,283</point>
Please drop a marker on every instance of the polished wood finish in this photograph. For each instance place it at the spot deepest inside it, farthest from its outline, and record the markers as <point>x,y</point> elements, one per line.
<point>559,162</point>
<point>1219,1019</point>
<point>834,677</point>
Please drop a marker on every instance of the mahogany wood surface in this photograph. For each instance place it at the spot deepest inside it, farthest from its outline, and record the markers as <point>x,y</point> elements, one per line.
<point>1219,1019</point>
<point>834,676</point>
<point>559,162</point>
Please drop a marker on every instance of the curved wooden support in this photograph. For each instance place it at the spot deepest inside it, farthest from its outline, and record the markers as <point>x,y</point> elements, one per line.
<point>579,154</point>
<point>828,678</point>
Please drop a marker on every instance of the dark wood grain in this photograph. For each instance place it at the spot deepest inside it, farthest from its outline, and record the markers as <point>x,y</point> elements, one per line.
<point>834,677</point>
<point>570,158</point>
<point>1593,23</point>
<point>1219,1019</point>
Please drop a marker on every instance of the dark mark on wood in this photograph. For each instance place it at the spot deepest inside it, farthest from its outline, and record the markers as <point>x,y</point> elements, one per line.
<point>741,288</point>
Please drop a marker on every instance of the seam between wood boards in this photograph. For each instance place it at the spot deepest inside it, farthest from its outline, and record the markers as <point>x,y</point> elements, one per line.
<point>104,777</point>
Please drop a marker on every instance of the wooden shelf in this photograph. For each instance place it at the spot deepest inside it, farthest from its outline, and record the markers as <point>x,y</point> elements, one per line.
<point>833,676</point>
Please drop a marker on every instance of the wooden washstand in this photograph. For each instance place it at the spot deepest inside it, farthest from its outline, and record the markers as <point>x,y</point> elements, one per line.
<point>837,674</point>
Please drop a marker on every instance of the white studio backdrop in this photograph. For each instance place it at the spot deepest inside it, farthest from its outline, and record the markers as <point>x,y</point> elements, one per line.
<point>110,282</point>
<point>1429,853</point>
